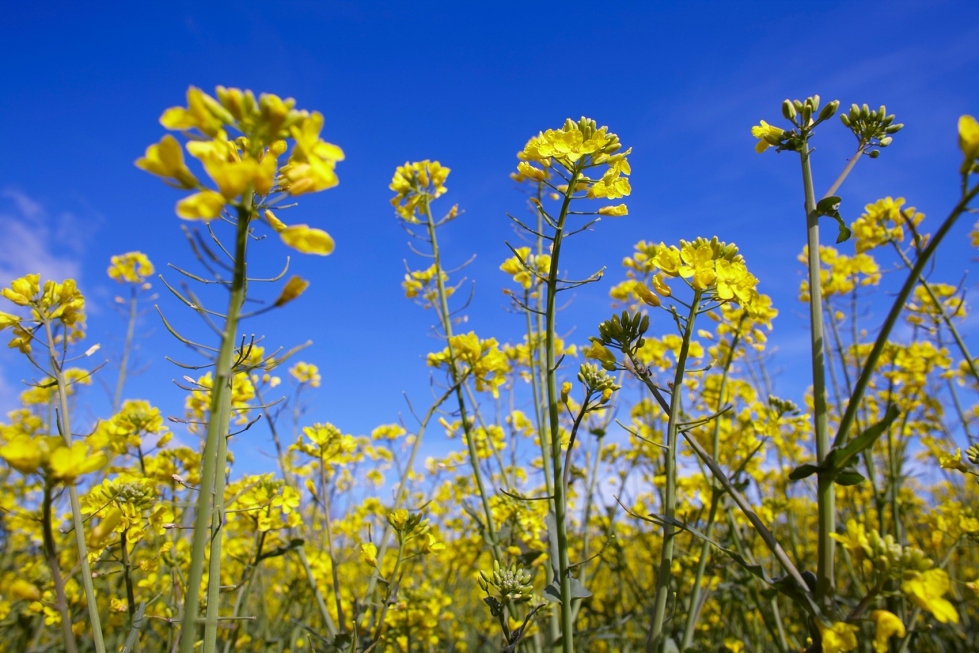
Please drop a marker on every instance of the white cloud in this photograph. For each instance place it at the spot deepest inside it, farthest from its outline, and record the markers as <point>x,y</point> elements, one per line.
<point>34,243</point>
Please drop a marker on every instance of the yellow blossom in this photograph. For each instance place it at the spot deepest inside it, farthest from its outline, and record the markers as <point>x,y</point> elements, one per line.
<point>295,287</point>
<point>841,637</point>
<point>307,240</point>
<point>767,135</point>
<point>131,267</point>
<point>68,463</point>
<point>368,553</point>
<point>888,625</point>
<point>205,205</point>
<point>969,137</point>
<point>166,159</point>
<point>926,590</point>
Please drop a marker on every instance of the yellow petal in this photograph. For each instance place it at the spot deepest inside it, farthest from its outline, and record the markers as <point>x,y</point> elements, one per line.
<point>205,205</point>
<point>293,289</point>
<point>307,240</point>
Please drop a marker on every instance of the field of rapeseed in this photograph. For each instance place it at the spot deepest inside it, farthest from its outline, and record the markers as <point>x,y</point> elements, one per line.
<point>723,517</point>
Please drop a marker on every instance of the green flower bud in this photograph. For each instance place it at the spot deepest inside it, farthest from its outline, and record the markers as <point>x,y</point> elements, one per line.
<point>788,110</point>
<point>829,110</point>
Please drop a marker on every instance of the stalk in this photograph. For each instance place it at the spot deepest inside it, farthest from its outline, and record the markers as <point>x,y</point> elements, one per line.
<point>896,308</point>
<point>127,347</point>
<point>446,320</point>
<point>553,402</point>
<point>130,596</point>
<point>76,511</point>
<point>214,457</point>
<point>656,636</point>
<point>693,614</point>
<point>51,553</point>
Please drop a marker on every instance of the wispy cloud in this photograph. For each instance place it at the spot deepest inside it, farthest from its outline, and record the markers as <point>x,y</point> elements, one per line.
<point>35,242</point>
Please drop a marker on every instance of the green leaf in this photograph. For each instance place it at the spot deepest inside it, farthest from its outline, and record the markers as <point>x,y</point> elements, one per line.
<point>803,471</point>
<point>865,440</point>
<point>496,608</point>
<point>849,476</point>
<point>828,205</point>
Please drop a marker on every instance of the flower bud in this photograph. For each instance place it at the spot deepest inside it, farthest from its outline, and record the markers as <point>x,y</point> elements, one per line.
<point>874,154</point>
<point>788,110</point>
<point>829,110</point>
<point>565,390</point>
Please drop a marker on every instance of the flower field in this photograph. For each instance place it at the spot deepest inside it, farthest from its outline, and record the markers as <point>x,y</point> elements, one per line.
<point>629,484</point>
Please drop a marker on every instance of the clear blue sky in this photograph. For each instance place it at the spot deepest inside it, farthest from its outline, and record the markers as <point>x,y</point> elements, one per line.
<point>466,84</point>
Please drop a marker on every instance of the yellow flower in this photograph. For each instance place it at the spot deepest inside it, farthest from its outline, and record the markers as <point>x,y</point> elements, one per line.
<point>598,351</point>
<point>131,267</point>
<point>205,205</point>
<point>952,461</point>
<point>166,159</point>
<point>698,263</point>
<point>68,463</point>
<point>618,210</point>
<point>293,289</point>
<point>969,137</point>
<point>926,590</point>
<point>888,625</point>
<point>645,294</point>
<point>24,590</point>
<point>307,240</point>
<point>368,553</point>
<point>855,538</point>
<point>203,113</point>
<point>117,605</point>
<point>25,454</point>
<point>306,373</point>
<point>841,637</point>
<point>22,291</point>
<point>667,259</point>
<point>431,545</point>
<point>733,645</point>
<point>767,135</point>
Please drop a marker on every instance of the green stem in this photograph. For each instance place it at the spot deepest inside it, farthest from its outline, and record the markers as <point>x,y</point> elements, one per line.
<point>693,614</point>
<point>51,553</point>
<point>126,349</point>
<point>446,320</point>
<point>130,596</point>
<point>896,308</point>
<point>656,638</point>
<point>554,408</point>
<point>826,491</point>
<point>214,455</point>
<point>946,318</point>
<point>76,511</point>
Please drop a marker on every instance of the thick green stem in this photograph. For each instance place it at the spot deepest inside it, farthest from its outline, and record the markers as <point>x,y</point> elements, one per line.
<point>76,510</point>
<point>554,414</point>
<point>213,462</point>
<point>826,490</point>
<point>656,638</point>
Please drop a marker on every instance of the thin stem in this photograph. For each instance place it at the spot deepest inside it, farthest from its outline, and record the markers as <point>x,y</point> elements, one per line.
<point>51,553</point>
<point>213,463</point>
<point>126,349</point>
<point>656,638</point>
<point>896,308</point>
<point>76,511</point>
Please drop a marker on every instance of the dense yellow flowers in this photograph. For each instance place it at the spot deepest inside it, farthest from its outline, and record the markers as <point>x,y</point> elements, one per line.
<point>131,267</point>
<point>482,359</point>
<point>415,185</point>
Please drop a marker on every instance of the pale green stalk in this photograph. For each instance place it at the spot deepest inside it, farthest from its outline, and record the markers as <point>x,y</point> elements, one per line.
<point>126,349</point>
<point>446,319</point>
<point>656,639</point>
<point>693,613</point>
<point>213,462</point>
<point>826,489</point>
<point>76,512</point>
<point>896,308</point>
<point>51,553</point>
<point>554,407</point>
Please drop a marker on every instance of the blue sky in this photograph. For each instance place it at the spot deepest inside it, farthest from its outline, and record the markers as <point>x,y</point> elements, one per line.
<point>466,84</point>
